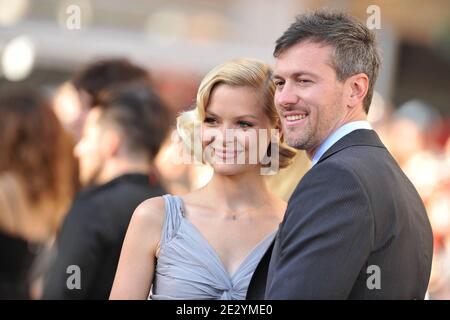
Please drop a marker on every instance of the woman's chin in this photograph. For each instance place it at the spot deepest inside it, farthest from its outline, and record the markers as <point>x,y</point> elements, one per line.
<point>231,169</point>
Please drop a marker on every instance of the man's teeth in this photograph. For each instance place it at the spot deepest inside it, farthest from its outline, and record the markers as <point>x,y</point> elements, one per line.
<point>296,117</point>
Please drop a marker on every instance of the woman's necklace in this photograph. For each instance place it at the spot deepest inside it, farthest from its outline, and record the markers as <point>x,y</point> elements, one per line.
<point>236,215</point>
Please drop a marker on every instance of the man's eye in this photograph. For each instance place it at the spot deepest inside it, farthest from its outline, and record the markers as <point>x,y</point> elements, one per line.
<point>304,81</point>
<point>278,83</point>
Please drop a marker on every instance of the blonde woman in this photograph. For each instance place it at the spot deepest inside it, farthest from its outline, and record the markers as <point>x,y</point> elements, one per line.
<point>207,244</point>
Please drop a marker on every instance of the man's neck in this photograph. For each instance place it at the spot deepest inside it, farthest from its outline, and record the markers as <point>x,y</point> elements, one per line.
<point>117,168</point>
<point>357,114</point>
<point>334,136</point>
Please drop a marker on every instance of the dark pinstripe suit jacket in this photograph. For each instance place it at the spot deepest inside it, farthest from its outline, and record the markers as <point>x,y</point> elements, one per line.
<point>355,228</point>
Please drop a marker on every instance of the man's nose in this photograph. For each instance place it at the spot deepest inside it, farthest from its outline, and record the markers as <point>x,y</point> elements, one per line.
<point>286,97</point>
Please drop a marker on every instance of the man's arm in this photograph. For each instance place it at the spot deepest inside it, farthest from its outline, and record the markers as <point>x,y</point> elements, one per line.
<point>78,251</point>
<point>325,238</point>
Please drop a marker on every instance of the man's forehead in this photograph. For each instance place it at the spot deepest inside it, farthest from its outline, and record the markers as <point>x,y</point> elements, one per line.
<point>308,46</point>
<point>304,57</point>
<point>95,112</point>
<point>92,117</point>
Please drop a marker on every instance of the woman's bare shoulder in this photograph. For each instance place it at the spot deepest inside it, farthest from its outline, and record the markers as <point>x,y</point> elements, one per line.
<point>149,215</point>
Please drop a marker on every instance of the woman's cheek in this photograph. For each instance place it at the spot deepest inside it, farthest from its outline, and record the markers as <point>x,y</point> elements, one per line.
<point>263,143</point>
<point>242,140</point>
<point>207,135</point>
<point>249,142</point>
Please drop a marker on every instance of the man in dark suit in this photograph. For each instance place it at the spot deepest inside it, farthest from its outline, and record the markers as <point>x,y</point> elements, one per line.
<point>355,227</point>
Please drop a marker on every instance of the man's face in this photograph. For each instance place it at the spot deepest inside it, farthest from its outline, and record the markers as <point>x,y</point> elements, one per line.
<point>71,106</point>
<point>308,96</point>
<point>89,149</point>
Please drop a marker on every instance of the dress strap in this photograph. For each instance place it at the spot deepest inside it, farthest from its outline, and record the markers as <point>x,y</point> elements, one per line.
<point>172,221</point>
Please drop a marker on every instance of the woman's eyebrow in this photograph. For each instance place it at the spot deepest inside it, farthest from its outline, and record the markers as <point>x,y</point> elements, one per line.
<point>238,117</point>
<point>247,116</point>
<point>211,113</point>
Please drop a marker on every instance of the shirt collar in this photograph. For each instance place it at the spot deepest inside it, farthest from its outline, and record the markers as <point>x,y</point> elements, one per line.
<point>337,135</point>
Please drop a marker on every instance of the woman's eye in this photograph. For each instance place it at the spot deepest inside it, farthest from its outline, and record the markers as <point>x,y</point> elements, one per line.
<point>209,120</point>
<point>245,124</point>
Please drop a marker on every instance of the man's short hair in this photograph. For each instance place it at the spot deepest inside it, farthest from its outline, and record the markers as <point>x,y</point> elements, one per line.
<point>354,45</point>
<point>138,113</point>
<point>102,74</point>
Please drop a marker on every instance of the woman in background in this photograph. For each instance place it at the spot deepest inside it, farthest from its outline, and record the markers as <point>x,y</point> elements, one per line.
<point>36,185</point>
<point>207,244</point>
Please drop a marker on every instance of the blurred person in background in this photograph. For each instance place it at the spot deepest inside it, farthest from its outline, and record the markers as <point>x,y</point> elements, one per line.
<point>418,139</point>
<point>437,201</point>
<point>439,210</point>
<point>207,243</point>
<point>412,143</point>
<point>122,135</point>
<point>177,88</point>
<point>76,97</point>
<point>36,185</point>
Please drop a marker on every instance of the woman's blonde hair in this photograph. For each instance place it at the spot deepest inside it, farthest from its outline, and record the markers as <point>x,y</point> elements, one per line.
<point>238,73</point>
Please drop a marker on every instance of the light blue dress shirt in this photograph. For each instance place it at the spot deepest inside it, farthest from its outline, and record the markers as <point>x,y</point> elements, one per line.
<point>337,135</point>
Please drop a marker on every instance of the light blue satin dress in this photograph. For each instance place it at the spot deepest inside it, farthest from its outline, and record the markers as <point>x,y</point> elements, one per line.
<point>189,268</point>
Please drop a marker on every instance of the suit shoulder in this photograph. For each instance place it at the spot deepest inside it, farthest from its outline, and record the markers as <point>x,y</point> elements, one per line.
<point>332,168</point>
<point>331,177</point>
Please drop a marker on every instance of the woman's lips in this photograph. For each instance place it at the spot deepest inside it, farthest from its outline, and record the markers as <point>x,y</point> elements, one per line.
<point>226,154</point>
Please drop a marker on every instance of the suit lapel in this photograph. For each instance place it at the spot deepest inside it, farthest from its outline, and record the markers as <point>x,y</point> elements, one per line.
<point>257,286</point>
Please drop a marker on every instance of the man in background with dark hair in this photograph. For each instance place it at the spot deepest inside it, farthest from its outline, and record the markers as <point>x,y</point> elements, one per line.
<point>75,97</point>
<point>99,75</point>
<point>121,136</point>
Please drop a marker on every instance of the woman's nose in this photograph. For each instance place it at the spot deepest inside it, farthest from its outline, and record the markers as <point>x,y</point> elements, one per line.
<point>226,134</point>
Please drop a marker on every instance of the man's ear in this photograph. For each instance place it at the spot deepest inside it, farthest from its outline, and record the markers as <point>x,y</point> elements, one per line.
<point>356,90</point>
<point>112,142</point>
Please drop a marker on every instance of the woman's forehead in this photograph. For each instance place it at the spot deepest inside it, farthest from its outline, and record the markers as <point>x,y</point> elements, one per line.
<point>235,101</point>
